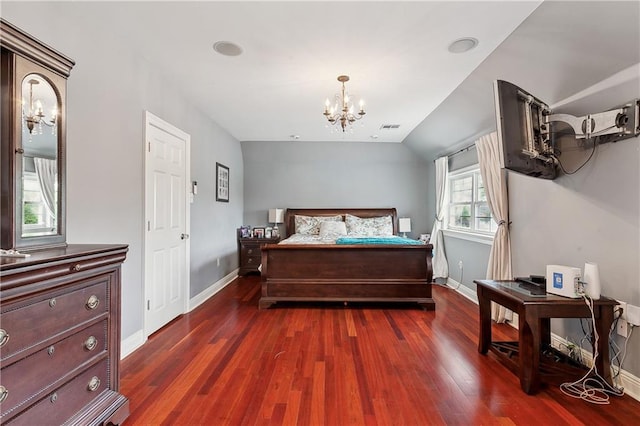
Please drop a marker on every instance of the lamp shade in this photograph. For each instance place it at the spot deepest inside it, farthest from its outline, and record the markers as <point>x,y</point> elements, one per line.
<point>276,216</point>
<point>404,224</point>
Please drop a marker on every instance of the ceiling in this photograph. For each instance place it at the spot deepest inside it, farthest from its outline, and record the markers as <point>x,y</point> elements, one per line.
<point>561,49</point>
<point>395,53</point>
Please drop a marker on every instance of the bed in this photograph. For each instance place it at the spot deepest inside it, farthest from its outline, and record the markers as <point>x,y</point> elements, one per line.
<point>345,273</point>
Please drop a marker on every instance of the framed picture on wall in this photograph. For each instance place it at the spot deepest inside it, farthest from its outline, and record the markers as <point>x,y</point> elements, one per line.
<point>222,183</point>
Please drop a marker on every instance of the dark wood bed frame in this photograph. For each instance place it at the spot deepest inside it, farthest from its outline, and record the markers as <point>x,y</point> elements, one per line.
<point>346,273</point>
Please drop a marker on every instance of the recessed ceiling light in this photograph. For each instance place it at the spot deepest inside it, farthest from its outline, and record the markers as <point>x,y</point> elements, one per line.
<point>227,48</point>
<point>463,45</point>
<point>294,137</point>
<point>374,137</point>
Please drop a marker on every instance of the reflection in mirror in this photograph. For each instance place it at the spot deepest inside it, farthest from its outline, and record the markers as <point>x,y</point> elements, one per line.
<point>40,195</point>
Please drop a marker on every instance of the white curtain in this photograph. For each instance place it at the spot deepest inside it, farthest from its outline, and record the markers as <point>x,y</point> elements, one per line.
<point>47,172</point>
<point>440,265</point>
<point>495,183</point>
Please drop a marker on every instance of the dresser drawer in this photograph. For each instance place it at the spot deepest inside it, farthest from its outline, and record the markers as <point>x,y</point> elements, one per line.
<point>40,371</point>
<point>25,325</point>
<point>250,250</point>
<point>251,261</point>
<point>61,404</point>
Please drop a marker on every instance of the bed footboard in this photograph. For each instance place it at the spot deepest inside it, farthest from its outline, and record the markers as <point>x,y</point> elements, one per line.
<point>346,273</point>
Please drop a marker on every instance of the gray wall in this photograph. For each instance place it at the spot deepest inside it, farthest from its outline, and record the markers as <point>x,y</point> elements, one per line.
<point>593,215</point>
<point>108,92</point>
<point>334,174</point>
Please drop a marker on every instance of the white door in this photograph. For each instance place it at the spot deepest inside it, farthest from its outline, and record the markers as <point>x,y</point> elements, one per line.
<point>166,227</point>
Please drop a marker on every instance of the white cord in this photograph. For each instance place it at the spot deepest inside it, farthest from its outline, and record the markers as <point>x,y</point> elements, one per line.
<point>595,389</point>
<point>626,342</point>
<point>616,351</point>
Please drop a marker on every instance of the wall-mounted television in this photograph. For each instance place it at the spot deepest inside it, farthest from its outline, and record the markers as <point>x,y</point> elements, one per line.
<point>525,140</point>
<point>527,129</point>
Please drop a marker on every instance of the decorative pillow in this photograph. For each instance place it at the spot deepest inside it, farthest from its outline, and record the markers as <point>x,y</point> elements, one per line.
<point>332,230</point>
<point>369,227</point>
<point>310,225</point>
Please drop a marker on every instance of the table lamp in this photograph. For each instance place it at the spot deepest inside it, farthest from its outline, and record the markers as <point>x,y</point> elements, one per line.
<point>276,216</point>
<point>404,226</point>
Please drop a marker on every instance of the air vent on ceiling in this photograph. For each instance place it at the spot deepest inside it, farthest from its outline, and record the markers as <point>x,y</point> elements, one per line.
<point>389,126</point>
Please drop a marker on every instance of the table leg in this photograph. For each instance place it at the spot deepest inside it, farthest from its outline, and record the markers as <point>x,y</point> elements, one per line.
<point>484,304</point>
<point>529,354</point>
<point>604,319</point>
<point>545,331</point>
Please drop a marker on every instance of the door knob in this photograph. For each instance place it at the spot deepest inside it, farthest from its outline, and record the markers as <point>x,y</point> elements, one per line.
<point>184,236</point>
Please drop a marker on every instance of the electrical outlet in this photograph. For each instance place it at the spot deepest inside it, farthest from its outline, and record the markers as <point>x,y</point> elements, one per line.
<point>460,264</point>
<point>633,315</point>
<point>622,328</point>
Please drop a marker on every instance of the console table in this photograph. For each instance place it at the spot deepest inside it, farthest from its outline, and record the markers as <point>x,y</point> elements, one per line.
<point>534,335</point>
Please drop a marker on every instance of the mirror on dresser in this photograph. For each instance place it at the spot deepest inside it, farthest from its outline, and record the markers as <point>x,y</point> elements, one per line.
<point>60,311</point>
<point>33,101</point>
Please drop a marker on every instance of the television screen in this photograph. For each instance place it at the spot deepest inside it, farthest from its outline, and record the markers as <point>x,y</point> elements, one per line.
<point>525,139</point>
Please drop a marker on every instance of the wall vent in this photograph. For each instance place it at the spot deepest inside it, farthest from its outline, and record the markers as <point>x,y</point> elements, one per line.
<point>389,126</point>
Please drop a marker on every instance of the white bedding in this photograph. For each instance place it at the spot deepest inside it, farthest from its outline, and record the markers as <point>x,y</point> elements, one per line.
<point>307,239</point>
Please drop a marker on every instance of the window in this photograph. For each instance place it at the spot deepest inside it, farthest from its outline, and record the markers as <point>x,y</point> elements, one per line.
<point>468,207</point>
<point>35,215</point>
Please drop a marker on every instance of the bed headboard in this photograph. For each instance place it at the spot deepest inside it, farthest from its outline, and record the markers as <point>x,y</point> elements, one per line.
<point>290,215</point>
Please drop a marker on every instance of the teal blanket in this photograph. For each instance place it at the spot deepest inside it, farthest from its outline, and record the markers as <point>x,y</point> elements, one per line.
<point>377,240</point>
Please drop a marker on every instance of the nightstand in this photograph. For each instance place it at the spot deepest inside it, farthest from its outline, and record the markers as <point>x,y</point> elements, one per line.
<point>249,256</point>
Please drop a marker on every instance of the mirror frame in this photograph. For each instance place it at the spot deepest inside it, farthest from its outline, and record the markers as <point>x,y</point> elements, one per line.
<point>22,54</point>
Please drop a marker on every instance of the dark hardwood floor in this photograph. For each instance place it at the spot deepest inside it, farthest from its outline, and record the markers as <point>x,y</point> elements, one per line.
<point>226,362</point>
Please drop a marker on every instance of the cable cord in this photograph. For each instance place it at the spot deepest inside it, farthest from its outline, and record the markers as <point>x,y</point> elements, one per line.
<point>615,349</point>
<point>595,389</point>
<point>624,355</point>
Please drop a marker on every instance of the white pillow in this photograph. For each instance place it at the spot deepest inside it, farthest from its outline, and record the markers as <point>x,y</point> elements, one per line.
<point>332,230</point>
<point>310,225</point>
<point>370,226</point>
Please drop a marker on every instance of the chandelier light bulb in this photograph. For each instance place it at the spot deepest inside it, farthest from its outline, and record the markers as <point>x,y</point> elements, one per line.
<point>343,110</point>
<point>36,117</point>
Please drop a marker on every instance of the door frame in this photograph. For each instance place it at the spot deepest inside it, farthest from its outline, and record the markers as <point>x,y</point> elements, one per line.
<point>151,120</point>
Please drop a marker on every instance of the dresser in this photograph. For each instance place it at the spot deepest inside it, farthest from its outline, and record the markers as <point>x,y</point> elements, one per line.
<point>249,255</point>
<point>60,337</point>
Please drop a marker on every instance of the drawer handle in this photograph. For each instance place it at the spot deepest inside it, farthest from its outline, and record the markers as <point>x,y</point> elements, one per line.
<point>4,393</point>
<point>250,251</point>
<point>52,302</point>
<point>91,343</point>
<point>94,384</point>
<point>249,260</point>
<point>50,350</point>
<point>93,302</point>
<point>76,267</point>
<point>4,337</point>
<point>53,398</point>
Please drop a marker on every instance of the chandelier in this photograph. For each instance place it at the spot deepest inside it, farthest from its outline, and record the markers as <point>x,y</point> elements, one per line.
<point>35,116</point>
<point>342,111</point>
